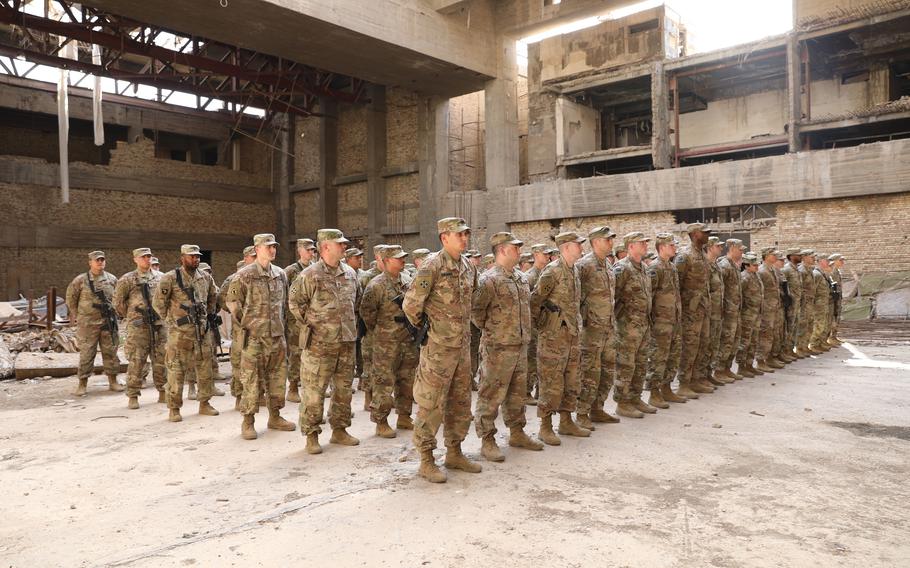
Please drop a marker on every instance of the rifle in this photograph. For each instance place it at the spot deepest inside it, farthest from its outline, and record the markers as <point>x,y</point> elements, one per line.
<point>214,323</point>
<point>149,317</point>
<point>195,312</point>
<point>785,295</point>
<point>418,334</point>
<point>836,296</point>
<point>107,310</point>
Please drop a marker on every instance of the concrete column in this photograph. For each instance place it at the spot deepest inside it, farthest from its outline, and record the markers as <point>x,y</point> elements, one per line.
<point>660,117</point>
<point>284,179</point>
<point>501,119</point>
<point>794,92</point>
<point>376,158</point>
<point>433,163</point>
<point>879,83</point>
<point>328,163</point>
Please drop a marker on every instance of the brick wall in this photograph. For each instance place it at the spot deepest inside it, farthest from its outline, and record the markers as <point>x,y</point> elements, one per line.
<point>401,126</point>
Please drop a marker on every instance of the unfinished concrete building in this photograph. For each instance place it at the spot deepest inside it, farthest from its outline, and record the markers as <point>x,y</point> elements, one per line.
<point>380,121</point>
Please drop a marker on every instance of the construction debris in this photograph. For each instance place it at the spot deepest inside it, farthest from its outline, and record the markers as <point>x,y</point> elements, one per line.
<point>6,361</point>
<point>61,340</point>
<point>900,105</point>
<point>842,15</point>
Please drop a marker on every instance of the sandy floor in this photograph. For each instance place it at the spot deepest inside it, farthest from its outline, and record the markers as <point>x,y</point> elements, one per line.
<point>806,467</point>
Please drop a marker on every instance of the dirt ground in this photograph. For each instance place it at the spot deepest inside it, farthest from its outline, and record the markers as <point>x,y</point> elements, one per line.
<point>805,467</point>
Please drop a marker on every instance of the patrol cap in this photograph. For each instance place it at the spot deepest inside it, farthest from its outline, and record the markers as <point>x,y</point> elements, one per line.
<point>779,253</point>
<point>377,250</point>
<point>619,248</point>
<point>552,250</point>
<point>714,241</point>
<point>693,227</point>
<point>734,243</point>
<point>96,254</point>
<point>453,224</point>
<point>541,248</point>
<point>392,251</point>
<point>808,252</point>
<point>190,249</point>
<point>634,237</point>
<point>331,236</point>
<point>472,253</point>
<point>142,252</point>
<point>306,243</point>
<point>155,260</point>
<point>750,258</point>
<point>249,251</point>
<point>264,239</point>
<point>768,250</point>
<point>526,257</point>
<point>569,237</point>
<point>601,233</point>
<point>794,251</point>
<point>504,238</point>
<point>835,256</point>
<point>240,264</point>
<point>419,253</point>
<point>205,266</point>
<point>665,239</point>
<point>352,252</point>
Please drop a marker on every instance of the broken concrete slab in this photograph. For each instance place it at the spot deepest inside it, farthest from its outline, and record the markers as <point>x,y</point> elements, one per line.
<point>30,365</point>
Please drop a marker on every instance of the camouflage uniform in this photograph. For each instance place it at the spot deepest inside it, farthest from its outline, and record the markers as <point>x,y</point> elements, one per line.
<point>732,302</point>
<point>366,342</point>
<point>501,310</point>
<point>598,331</point>
<point>138,346</point>
<point>236,385</point>
<point>716,319</point>
<point>532,276</point>
<point>807,301</point>
<point>291,272</point>
<point>324,300</point>
<point>184,350</point>
<point>750,319</point>
<point>666,316</point>
<point>780,325</point>
<point>633,319</point>
<point>91,327</point>
<point>395,354</point>
<point>694,274</point>
<point>442,291</point>
<point>770,311</point>
<point>791,276</point>
<point>821,308</point>
<point>257,298</point>
<point>838,279</point>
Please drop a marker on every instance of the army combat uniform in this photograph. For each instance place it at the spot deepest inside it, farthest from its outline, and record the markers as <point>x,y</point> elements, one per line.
<point>366,342</point>
<point>792,277</point>
<point>236,386</point>
<point>769,315</point>
<point>822,311</point>
<point>532,276</point>
<point>807,302</point>
<point>729,337</point>
<point>694,274</point>
<point>291,272</point>
<point>752,297</point>
<point>666,317</point>
<point>708,361</point>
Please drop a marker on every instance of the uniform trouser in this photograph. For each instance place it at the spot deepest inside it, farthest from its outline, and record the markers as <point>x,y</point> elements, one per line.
<point>263,361</point>
<point>597,367</point>
<point>503,376</point>
<point>532,363</point>
<point>663,335</point>
<point>729,338</point>
<point>766,333</point>
<point>806,325</point>
<point>475,351</point>
<point>236,352</point>
<point>834,320</point>
<point>780,332</point>
<point>695,332</point>
<point>89,338</point>
<point>558,356</point>
<point>191,373</point>
<point>394,365</point>
<point>793,318</point>
<point>183,353</point>
<point>632,340</point>
<point>366,374</point>
<point>442,392</point>
<point>707,360</point>
<point>748,338</point>
<point>139,350</point>
<point>325,364</point>
<point>820,327</point>
<point>294,353</point>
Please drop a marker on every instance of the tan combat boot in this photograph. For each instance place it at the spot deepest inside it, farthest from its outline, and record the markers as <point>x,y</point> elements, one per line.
<point>745,371</point>
<point>293,393</point>
<point>162,397</point>
<point>428,468</point>
<point>754,371</point>
<point>206,409</point>
<point>657,399</point>
<point>720,374</point>
<point>686,391</point>
<point>667,394</point>
<point>490,451</point>
<point>627,409</point>
<point>774,363</point>
<point>568,427</point>
<point>113,384</point>
<point>518,439</point>
<point>643,406</point>
<point>341,437</point>
<point>714,381</point>
<point>584,421</point>
<point>404,422</point>
<point>174,415</point>
<point>276,422</point>
<point>764,367</point>
<point>546,434</point>
<point>312,443</point>
<point>248,428</point>
<point>701,387</point>
<point>600,416</point>
<point>457,460</point>
<point>383,430</point>
<point>133,403</point>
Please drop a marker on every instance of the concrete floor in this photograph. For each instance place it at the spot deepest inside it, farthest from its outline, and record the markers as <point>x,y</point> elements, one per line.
<point>806,467</point>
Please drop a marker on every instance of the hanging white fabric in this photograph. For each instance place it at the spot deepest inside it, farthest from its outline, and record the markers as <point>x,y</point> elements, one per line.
<point>97,116</point>
<point>69,51</point>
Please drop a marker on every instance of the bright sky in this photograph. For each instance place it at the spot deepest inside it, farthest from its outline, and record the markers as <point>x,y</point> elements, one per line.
<point>712,24</point>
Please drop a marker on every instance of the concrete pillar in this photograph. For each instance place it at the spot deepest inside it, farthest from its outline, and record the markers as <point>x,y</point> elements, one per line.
<point>660,117</point>
<point>433,163</point>
<point>879,83</point>
<point>501,119</point>
<point>328,163</point>
<point>284,179</point>
<point>376,158</point>
<point>794,92</point>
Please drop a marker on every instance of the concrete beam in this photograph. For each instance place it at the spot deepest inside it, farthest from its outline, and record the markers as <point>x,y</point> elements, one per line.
<point>328,163</point>
<point>794,92</point>
<point>284,179</point>
<point>376,157</point>
<point>660,117</point>
<point>501,120</point>
<point>433,161</point>
<point>527,17</point>
<point>55,236</point>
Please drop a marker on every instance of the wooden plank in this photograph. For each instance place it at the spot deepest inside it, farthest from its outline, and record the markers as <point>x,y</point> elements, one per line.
<point>30,365</point>
<point>45,236</point>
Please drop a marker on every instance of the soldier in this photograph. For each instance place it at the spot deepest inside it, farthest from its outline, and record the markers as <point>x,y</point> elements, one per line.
<point>807,315</point>
<point>236,385</point>
<point>648,258</point>
<point>501,310</point>
<point>730,268</point>
<point>325,298</point>
<point>366,342</point>
<point>476,260</point>
<point>214,323</point>
<point>541,259</point>
<point>837,262</point>
<point>156,266</point>
<point>792,299</point>
<point>487,262</point>
<point>694,274</point>
<point>633,312</point>
<point>306,251</point>
<point>770,312</point>
<point>555,304</point>
<point>88,299</point>
<point>184,298</point>
<point>707,363</point>
<point>818,342</point>
<point>525,261</point>
<point>778,352</point>
<point>752,295</point>
<point>395,354</point>
<point>666,317</point>
<point>249,254</point>
<point>598,330</point>
<point>440,296</point>
<point>145,341</point>
<point>620,252</point>
<point>554,254</point>
<point>418,256</point>
<point>257,299</point>
<point>353,257</point>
